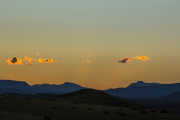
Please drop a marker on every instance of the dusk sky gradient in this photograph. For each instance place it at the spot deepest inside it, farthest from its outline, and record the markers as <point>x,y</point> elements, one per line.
<point>87,38</point>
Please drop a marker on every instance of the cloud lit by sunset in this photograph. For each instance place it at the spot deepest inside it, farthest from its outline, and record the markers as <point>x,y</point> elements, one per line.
<point>28,60</point>
<point>45,60</point>
<point>124,60</point>
<point>15,60</point>
<point>141,58</point>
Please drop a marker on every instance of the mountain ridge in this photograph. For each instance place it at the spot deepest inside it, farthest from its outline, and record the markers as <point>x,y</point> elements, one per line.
<point>142,90</point>
<point>22,87</point>
<point>137,90</point>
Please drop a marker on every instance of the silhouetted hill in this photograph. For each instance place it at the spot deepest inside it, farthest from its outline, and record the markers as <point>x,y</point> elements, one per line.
<point>174,97</point>
<point>67,87</point>
<point>21,87</point>
<point>93,105</point>
<point>138,90</point>
<point>141,90</point>
<point>76,102</point>
<point>12,86</point>
<point>95,97</point>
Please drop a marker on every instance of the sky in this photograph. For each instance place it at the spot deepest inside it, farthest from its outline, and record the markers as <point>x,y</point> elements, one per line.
<point>86,38</point>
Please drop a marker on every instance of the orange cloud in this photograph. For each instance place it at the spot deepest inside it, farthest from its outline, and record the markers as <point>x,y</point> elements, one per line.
<point>141,58</point>
<point>28,60</point>
<point>14,60</point>
<point>125,60</point>
<point>45,60</point>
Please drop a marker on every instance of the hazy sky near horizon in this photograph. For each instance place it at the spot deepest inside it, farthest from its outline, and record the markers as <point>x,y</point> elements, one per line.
<point>87,38</point>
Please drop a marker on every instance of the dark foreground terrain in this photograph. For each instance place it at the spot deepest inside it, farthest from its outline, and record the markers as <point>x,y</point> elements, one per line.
<point>82,105</point>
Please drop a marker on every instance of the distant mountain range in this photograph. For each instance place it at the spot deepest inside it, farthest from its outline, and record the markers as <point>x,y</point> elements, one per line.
<point>20,87</point>
<point>138,90</point>
<point>141,90</point>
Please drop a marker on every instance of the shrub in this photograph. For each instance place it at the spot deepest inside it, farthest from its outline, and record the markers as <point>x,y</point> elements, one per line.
<point>74,107</point>
<point>153,110</point>
<point>126,105</point>
<point>121,114</point>
<point>106,112</point>
<point>90,109</point>
<point>54,108</point>
<point>47,118</point>
<point>134,108</point>
<point>144,111</point>
<point>164,111</point>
